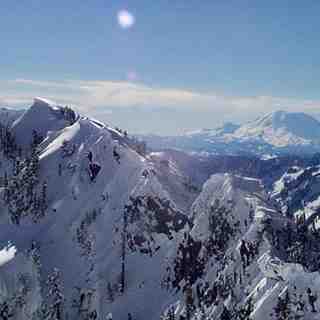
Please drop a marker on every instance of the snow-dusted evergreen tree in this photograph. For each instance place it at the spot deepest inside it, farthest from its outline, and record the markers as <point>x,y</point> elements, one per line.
<point>110,292</point>
<point>225,314</point>
<point>123,249</point>
<point>15,304</point>
<point>6,311</point>
<point>8,142</point>
<point>21,295</point>
<point>67,149</point>
<point>35,256</point>
<point>189,301</point>
<point>69,114</point>
<point>282,309</point>
<point>244,312</point>
<point>188,264</point>
<point>171,313</point>
<point>21,192</point>
<point>36,139</point>
<point>221,228</point>
<point>43,199</point>
<point>55,296</point>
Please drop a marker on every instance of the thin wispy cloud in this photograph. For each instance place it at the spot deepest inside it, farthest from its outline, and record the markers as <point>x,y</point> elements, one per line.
<point>37,83</point>
<point>99,93</point>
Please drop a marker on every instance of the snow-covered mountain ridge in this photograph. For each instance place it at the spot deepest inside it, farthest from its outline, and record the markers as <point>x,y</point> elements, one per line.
<point>278,132</point>
<point>78,224</point>
<point>91,225</point>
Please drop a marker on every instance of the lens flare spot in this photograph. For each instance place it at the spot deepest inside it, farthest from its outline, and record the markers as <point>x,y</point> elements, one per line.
<point>126,19</point>
<point>132,76</point>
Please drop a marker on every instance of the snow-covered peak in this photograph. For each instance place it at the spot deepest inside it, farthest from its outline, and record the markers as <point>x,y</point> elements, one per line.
<point>44,117</point>
<point>278,132</point>
<point>281,128</point>
<point>38,102</point>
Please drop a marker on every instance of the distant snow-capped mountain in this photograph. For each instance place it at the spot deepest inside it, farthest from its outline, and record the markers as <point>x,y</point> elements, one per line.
<point>282,129</point>
<point>277,132</point>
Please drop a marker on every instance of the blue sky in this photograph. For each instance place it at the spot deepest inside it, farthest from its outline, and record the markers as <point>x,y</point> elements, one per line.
<point>196,62</point>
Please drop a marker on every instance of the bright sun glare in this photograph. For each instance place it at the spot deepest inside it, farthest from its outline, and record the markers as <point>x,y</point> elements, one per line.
<point>125,19</point>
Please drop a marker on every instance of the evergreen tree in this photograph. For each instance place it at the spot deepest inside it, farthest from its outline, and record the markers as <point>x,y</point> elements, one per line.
<point>55,295</point>
<point>188,264</point>
<point>43,200</point>
<point>123,250</point>
<point>225,314</point>
<point>6,311</point>
<point>189,301</point>
<point>36,139</point>
<point>220,227</point>
<point>110,293</point>
<point>282,309</point>
<point>171,314</point>
<point>245,311</point>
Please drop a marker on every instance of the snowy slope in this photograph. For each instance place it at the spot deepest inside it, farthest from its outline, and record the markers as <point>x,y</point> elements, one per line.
<point>72,198</point>
<point>297,193</point>
<point>68,234</point>
<point>269,275</point>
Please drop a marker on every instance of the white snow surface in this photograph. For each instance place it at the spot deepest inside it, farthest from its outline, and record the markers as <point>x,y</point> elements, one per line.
<point>7,254</point>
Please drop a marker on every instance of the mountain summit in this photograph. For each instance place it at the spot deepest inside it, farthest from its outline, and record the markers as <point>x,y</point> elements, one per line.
<point>281,128</point>
<point>276,132</point>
